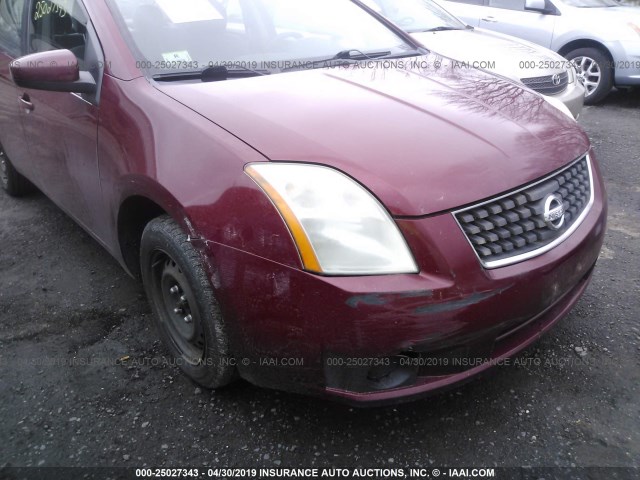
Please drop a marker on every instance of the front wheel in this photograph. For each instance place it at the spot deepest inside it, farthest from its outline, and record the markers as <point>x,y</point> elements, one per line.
<point>12,182</point>
<point>595,72</point>
<point>186,313</point>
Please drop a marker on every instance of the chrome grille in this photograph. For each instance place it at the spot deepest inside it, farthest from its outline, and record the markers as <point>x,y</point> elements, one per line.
<point>512,228</point>
<point>549,84</point>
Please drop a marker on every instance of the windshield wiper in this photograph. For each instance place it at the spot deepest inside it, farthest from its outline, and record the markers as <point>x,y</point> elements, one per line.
<point>343,57</point>
<point>434,29</point>
<point>359,55</point>
<point>411,53</point>
<point>210,74</point>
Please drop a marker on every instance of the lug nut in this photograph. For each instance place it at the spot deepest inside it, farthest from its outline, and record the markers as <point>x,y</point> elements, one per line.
<point>188,319</point>
<point>174,289</point>
<point>177,310</point>
<point>183,299</point>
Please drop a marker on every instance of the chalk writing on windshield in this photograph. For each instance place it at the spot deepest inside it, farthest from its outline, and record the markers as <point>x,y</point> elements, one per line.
<point>45,8</point>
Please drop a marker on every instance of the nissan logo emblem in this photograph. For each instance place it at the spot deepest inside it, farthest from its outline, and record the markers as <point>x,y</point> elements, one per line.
<point>554,212</point>
<point>556,79</point>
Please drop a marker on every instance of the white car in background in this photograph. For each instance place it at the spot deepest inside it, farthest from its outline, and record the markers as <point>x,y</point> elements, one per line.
<point>538,68</point>
<point>602,37</point>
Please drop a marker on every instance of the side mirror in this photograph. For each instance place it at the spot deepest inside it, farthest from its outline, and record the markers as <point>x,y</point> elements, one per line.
<point>54,71</point>
<point>536,6</point>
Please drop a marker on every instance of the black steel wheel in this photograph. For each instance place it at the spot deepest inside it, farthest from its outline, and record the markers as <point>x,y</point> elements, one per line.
<point>174,294</point>
<point>186,312</point>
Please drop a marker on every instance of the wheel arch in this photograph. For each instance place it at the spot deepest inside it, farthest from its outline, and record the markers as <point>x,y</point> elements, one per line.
<point>584,43</point>
<point>135,212</point>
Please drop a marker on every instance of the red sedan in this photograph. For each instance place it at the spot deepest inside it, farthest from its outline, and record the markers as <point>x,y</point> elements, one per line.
<point>310,206</point>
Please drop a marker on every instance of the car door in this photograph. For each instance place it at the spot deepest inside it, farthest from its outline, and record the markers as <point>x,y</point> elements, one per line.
<point>12,140</point>
<point>511,18</point>
<point>61,128</point>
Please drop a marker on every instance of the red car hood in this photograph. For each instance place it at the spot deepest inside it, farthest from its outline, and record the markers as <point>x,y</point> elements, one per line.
<point>423,139</point>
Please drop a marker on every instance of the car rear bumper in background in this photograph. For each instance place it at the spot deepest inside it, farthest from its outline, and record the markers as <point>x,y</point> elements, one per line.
<point>368,340</point>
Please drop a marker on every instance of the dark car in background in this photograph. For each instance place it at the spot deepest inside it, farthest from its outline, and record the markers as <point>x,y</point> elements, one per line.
<point>312,207</point>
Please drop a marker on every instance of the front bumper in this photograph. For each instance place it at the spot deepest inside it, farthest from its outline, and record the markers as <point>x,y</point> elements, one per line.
<point>345,337</point>
<point>438,372</point>
<point>626,62</point>
<point>572,97</point>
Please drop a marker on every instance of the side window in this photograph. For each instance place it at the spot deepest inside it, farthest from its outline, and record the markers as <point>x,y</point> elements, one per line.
<point>58,24</point>
<point>508,4</point>
<point>11,26</point>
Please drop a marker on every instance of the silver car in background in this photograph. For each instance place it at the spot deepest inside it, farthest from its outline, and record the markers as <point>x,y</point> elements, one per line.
<point>538,68</point>
<point>602,37</point>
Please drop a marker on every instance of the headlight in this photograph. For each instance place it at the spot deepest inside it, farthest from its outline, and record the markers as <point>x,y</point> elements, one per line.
<point>338,226</point>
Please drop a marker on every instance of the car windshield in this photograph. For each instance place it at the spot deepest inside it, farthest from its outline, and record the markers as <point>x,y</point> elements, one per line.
<point>171,37</point>
<point>591,3</point>
<point>415,16</point>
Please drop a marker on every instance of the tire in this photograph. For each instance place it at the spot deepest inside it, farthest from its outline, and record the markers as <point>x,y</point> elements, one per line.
<point>186,312</point>
<point>594,68</point>
<point>12,182</point>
